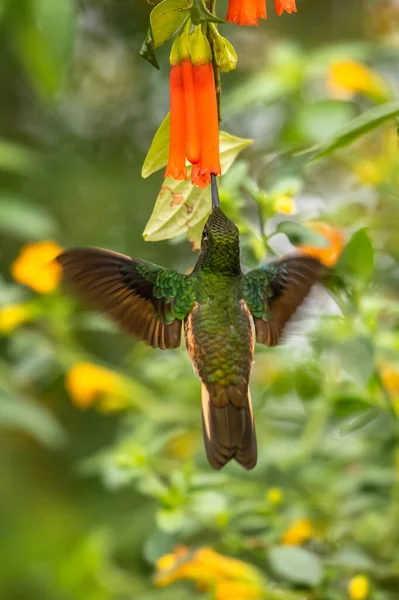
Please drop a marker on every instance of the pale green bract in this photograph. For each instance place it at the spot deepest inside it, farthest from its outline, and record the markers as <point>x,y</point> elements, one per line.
<point>181,207</point>
<point>157,155</point>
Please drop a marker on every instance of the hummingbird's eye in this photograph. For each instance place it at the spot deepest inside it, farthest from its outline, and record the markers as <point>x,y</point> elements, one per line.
<point>205,235</point>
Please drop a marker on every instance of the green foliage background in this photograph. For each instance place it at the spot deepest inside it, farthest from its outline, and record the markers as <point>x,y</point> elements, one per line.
<point>89,501</point>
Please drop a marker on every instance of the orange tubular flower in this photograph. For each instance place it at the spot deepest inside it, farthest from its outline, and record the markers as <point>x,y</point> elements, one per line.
<point>194,124</point>
<point>284,5</point>
<point>248,12</point>
<point>207,114</point>
<point>176,167</point>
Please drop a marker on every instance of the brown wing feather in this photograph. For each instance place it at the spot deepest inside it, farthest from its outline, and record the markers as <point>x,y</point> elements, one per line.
<point>111,283</point>
<point>295,277</point>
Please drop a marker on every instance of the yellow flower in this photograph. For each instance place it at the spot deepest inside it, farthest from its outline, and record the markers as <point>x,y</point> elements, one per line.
<point>285,204</point>
<point>14,315</point>
<point>369,172</point>
<point>390,378</point>
<point>224,566</point>
<point>182,445</point>
<point>328,256</point>
<point>275,495</point>
<point>36,268</point>
<point>347,77</point>
<point>233,590</point>
<point>181,564</point>
<point>359,587</point>
<point>300,531</point>
<point>87,382</point>
<point>210,571</point>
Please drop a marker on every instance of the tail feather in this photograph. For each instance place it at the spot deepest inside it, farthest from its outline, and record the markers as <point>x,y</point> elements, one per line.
<point>229,430</point>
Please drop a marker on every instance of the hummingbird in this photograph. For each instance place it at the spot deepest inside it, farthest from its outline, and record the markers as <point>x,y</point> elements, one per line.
<point>222,310</point>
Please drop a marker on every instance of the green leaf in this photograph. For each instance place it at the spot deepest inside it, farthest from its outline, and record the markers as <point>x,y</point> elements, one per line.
<point>147,50</point>
<point>32,418</point>
<point>308,380</point>
<point>157,544</point>
<point>167,17</point>
<point>357,358</point>
<point>17,159</point>
<point>352,558</point>
<point>157,155</point>
<point>348,405</point>
<point>180,206</point>
<point>296,565</point>
<point>207,503</point>
<point>318,120</point>
<point>230,146</point>
<point>19,218</point>
<point>45,33</point>
<point>356,128</point>
<point>298,234</point>
<point>355,422</point>
<point>171,520</point>
<point>357,259</point>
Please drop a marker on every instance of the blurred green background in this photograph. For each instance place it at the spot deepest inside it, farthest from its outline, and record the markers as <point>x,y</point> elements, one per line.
<point>90,499</point>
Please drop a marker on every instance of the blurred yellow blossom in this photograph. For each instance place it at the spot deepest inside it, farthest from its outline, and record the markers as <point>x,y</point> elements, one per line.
<point>228,578</point>
<point>87,382</point>
<point>382,164</point>
<point>275,495</point>
<point>300,531</point>
<point>328,256</point>
<point>359,587</point>
<point>233,590</point>
<point>36,268</point>
<point>347,77</point>
<point>183,444</point>
<point>390,378</point>
<point>285,204</point>
<point>14,315</point>
<point>369,172</point>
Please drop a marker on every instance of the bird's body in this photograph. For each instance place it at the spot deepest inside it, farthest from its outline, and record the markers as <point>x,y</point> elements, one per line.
<point>220,342</point>
<point>219,333</point>
<point>222,309</point>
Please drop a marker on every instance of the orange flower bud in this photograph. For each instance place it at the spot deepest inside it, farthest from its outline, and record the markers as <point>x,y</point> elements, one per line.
<point>285,5</point>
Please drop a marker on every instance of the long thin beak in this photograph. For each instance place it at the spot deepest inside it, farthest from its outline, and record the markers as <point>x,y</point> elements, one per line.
<point>215,192</point>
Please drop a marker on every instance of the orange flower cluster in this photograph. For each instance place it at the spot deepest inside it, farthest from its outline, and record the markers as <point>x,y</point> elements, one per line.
<point>247,12</point>
<point>194,123</point>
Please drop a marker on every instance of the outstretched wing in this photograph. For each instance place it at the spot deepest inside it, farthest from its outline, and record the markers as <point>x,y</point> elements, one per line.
<point>145,299</point>
<point>274,292</point>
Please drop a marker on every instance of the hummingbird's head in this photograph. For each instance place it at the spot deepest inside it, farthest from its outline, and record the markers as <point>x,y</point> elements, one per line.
<point>219,230</point>
<point>220,245</point>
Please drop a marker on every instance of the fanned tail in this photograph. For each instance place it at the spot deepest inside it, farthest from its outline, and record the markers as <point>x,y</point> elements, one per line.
<point>228,427</point>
